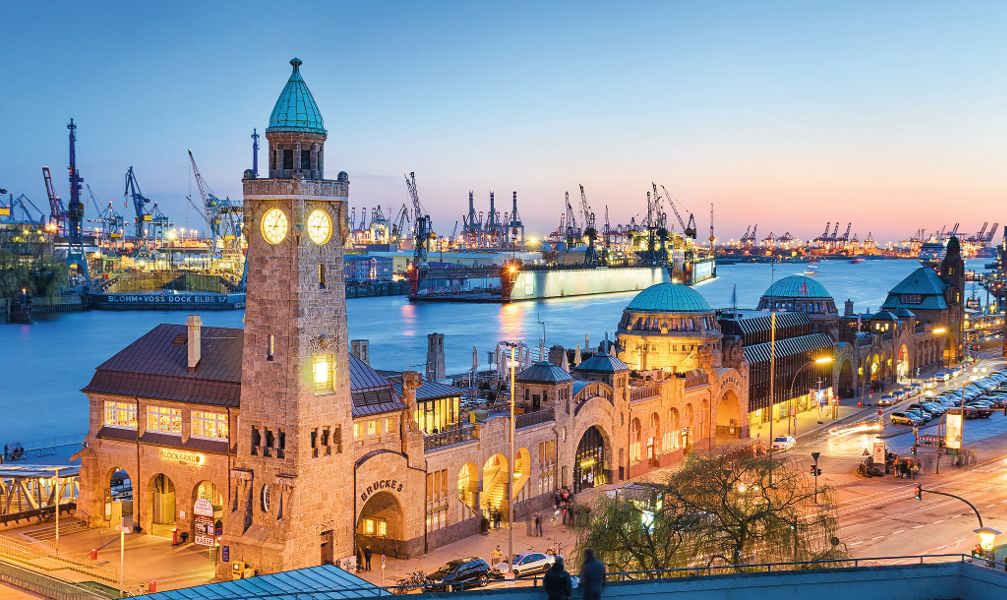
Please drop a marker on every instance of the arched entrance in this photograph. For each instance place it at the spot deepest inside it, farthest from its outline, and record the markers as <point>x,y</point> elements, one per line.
<point>119,498</point>
<point>672,434</point>
<point>380,526</point>
<point>522,473</point>
<point>468,485</point>
<point>654,440</point>
<point>635,438</point>
<point>590,464</point>
<point>902,364</point>
<point>206,490</point>
<point>162,492</point>
<point>729,415</point>
<point>494,496</point>
<point>845,383</point>
<point>948,355</point>
<point>688,432</point>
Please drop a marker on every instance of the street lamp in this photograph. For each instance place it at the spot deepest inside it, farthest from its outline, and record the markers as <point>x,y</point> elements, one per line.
<point>56,494</point>
<point>821,360</point>
<point>987,537</point>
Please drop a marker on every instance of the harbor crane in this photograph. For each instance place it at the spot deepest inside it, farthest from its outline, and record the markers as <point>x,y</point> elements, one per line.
<point>400,223</point>
<point>422,225</point>
<point>22,211</point>
<point>590,231</point>
<point>221,214</point>
<point>57,212</point>
<point>688,229</point>
<point>606,247</point>
<point>846,236</point>
<point>111,224</point>
<point>571,230</point>
<point>75,257</point>
<point>143,216</point>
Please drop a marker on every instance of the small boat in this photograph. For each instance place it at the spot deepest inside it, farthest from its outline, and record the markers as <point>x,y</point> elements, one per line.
<point>858,260</point>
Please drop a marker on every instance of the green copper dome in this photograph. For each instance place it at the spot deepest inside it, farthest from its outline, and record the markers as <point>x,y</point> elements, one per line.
<point>669,297</point>
<point>295,109</point>
<point>797,286</point>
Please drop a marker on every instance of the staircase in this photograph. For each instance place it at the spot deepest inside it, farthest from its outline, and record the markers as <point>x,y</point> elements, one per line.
<point>495,491</point>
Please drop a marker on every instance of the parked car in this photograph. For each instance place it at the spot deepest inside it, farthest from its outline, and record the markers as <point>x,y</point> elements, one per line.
<point>970,412</point>
<point>902,418</point>
<point>784,442</point>
<point>459,574</point>
<point>934,408</point>
<point>532,562</point>
<point>920,414</point>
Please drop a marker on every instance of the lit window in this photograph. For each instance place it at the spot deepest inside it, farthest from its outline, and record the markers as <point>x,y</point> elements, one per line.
<point>164,420</point>
<point>389,424</point>
<point>321,368</point>
<point>356,431</point>
<point>372,427</point>
<point>120,414</point>
<point>209,425</point>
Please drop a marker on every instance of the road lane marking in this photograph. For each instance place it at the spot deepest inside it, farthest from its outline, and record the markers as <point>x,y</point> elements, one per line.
<point>956,516</point>
<point>898,531</point>
<point>920,525</point>
<point>877,537</point>
<point>938,521</point>
<point>855,543</point>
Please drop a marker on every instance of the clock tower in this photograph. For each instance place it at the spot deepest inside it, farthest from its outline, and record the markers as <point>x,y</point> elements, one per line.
<point>292,472</point>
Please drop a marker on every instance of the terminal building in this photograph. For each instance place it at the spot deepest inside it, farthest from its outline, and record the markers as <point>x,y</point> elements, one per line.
<point>305,453</point>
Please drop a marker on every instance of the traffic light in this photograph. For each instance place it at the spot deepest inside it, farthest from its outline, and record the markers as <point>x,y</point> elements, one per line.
<point>919,492</point>
<point>813,469</point>
<point>818,472</point>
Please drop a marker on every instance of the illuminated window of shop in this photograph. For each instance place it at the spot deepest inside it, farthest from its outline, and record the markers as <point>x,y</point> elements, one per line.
<point>372,428</point>
<point>164,419</point>
<point>437,500</point>
<point>209,425</point>
<point>389,424</point>
<point>375,527</point>
<point>120,414</point>
<point>356,431</point>
<point>322,373</point>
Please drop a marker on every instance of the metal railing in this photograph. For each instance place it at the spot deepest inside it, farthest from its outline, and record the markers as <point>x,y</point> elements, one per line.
<point>647,390</point>
<point>67,565</point>
<point>449,437</point>
<point>44,585</point>
<point>534,418</point>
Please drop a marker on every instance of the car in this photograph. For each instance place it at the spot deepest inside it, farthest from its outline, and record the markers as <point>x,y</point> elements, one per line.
<point>459,574</point>
<point>784,442</point>
<point>532,562</point>
<point>886,400</point>
<point>970,412</point>
<point>920,415</point>
<point>934,408</point>
<point>902,418</point>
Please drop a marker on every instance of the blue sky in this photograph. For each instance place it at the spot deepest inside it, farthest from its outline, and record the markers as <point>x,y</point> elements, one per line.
<point>788,114</point>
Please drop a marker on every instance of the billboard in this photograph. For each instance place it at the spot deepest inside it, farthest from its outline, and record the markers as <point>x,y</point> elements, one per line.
<point>953,435</point>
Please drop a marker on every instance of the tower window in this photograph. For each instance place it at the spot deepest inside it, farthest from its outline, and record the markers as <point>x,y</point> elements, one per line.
<point>270,347</point>
<point>337,439</point>
<point>288,159</point>
<point>314,443</point>
<point>268,450</point>
<point>256,440</point>
<point>322,375</point>
<point>321,276</point>
<point>305,161</point>
<point>325,441</point>
<point>282,444</point>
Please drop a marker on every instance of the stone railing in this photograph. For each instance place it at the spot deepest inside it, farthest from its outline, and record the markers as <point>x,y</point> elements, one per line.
<point>647,390</point>
<point>535,418</point>
<point>449,437</point>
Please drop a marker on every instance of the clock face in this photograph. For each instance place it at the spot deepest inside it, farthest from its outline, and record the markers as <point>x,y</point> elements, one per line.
<point>319,226</point>
<point>274,226</point>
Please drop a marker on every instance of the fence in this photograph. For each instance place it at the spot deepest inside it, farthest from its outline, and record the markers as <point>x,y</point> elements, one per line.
<point>534,418</point>
<point>449,437</point>
<point>48,587</point>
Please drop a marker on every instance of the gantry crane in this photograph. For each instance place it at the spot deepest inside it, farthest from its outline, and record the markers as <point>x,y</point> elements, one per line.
<point>111,224</point>
<point>57,211</point>
<point>143,216</point>
<point>590,231</point>
<point>571,231</point>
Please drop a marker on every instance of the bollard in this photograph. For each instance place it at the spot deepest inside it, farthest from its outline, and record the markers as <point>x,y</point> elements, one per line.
<point>151,586</point>
<point>94,554</point>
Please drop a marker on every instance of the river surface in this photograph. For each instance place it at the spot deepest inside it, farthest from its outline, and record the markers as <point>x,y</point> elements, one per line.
<point>47,363</point>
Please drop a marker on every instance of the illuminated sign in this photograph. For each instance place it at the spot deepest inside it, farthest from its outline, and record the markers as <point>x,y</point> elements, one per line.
<point>391,485</point>
<point>953,437</point>
<point>183,457</point>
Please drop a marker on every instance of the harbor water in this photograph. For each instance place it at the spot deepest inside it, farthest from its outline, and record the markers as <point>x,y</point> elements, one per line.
<point>47,363</point>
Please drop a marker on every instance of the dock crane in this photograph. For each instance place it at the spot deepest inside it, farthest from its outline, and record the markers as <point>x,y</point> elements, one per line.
<point>75,257</point>
<point>571,231</point>
<point>846,236</point>
<point>57,212</point>
<point>590,231</point>
<point>22,211</point>
<point>422,225</point>
<point>139,205</point>
<point>221,214</point>
<point>111,223</point>
<point>400,223</point>
<point>688,229</point>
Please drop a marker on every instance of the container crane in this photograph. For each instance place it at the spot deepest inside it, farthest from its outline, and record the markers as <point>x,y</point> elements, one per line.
<point>422,225</point>
<point>75,214</point>
<point>571,231</point>
<point>111,223</point>
<point>22,211</point>
<point>400,223</point>
<point>590,231</point>
<point>688,229</point>
<point>143,217</point>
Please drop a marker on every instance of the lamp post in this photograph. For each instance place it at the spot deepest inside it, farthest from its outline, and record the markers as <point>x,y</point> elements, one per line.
<point>772,388</point>
<point>821,360</point>
<point>510,466</point>
<point>56,493</point>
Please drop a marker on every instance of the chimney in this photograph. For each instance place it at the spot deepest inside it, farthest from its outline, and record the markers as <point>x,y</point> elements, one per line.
<point>194,340</point>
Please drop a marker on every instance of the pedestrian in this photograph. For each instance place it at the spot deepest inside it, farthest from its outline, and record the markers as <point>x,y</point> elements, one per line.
<point>496,556</point>
<point>916,471</point>
<point>556,499</point>
<point>367,558</point>
<point>360,559</point>
<point>557,582</point>
<point>592,576</point>
<point>497,517</point>
<point>538,525</point>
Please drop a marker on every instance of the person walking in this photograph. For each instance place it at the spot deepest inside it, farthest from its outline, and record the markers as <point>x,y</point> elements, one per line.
<point>916,471</point>
<point>557,583</point>
<point>592,576</point>
<point>367,558</point>
<point>497,516</point>
<point>496,557</point>
<point>538,525</point>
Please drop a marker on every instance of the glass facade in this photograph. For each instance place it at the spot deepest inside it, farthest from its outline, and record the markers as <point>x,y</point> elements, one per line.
<point>437,500</point>
<point>434,416</point>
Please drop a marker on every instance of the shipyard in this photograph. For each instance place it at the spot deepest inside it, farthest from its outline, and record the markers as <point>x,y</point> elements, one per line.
<point>389,299</point>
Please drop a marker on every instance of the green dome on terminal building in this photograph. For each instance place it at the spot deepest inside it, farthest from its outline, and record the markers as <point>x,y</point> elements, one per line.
<point>669,297</point>
<point>797,286</point>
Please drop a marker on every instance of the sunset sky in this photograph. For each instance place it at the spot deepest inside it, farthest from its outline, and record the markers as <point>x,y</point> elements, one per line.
<point>892,115</point>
